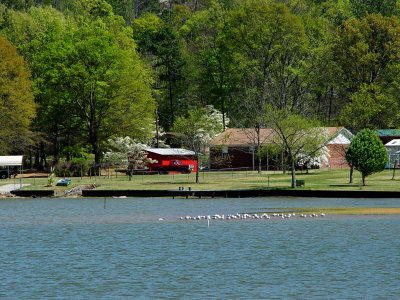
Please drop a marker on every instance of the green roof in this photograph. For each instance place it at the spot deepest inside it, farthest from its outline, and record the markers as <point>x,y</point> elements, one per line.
<point>388,132</point>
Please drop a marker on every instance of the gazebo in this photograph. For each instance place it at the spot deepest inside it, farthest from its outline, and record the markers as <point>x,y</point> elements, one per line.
<point>12,161</point>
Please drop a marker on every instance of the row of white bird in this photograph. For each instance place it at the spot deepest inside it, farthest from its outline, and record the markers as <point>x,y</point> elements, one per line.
<point>249,216</point>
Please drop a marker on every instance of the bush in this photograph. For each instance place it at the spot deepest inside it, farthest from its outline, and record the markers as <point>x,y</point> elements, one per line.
<point>72,168</point>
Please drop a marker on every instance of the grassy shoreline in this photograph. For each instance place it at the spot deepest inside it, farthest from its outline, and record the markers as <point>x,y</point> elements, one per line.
<point>325,179</point>
<point>334,180</point>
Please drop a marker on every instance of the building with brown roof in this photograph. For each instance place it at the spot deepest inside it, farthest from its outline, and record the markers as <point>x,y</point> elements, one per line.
<point>237,148</point>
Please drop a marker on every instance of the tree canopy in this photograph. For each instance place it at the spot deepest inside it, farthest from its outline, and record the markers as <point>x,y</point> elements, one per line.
<point>90,80</point>
<point>198,128</point>
<point>298,137</point>
<point>367,154</point>
<point>106,68</point>
<point>16,100</point>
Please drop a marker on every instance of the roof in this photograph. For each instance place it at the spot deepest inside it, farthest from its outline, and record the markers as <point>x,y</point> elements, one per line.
<point>392,143</point>
<point>241,137</point>
<point>388,132</point>
<point>15,160</point>
<point>248,136</point>
<point>170,151</point>
<point>342,136</point>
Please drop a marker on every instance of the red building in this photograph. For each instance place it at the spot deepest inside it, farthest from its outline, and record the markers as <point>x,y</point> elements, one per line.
<point>165,156</point>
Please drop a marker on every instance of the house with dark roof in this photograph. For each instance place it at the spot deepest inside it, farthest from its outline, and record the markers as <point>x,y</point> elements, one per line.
<point>237,147</point>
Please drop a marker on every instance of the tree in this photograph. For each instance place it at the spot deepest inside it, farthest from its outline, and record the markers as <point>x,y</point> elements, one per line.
<point>316,158</point>
<point>366,51</point>
<point>369,108</point>
<point>26,4</point>
<point>128,152</point>
<point>268,45</point>
<point>108,85</point>
<point>367,154</point>
<point>39,35</point>
<point>210,64</point>
<point>133,9</point>
<point>198,128</point>
<point>161,45</point>
<point>360,8</point>
<point>16,100</point>
<point>297,136</point>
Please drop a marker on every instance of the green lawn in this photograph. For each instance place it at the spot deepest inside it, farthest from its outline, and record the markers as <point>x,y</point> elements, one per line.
<point>317,180</point>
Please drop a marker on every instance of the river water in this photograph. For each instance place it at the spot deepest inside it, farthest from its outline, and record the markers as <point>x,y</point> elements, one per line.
<point>119,249</point>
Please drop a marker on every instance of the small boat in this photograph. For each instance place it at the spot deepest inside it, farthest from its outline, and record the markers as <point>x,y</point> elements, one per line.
<point>64,182</point>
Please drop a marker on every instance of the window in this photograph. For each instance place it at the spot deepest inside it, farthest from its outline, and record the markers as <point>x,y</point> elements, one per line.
<point>224,152</point>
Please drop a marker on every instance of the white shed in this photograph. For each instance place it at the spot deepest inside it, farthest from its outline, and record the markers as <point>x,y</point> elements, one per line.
<point>393,152</point>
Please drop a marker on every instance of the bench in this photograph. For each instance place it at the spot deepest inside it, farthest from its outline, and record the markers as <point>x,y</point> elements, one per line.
<point>300,182</point>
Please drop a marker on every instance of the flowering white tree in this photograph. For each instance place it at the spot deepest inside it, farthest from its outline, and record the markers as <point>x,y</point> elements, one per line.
<point>128,152</point>
<point>198,129</point>
<point>317,158</point>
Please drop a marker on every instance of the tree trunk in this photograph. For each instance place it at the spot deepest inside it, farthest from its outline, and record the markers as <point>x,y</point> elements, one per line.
<point>394,169</point>
<point>37,158</point>
<point>94,141</point>
<point>258,148</point>
<point>55,146</point>
<point>157,133</point>
<point>293,175</point>
<point>97,156</point>
<point>170,96</point>
<point>43,160</point>
<point>351,174</point>
<point>30,159</point>
<point>363,180</point>
<point>223,111</point>
<point>197,170</point>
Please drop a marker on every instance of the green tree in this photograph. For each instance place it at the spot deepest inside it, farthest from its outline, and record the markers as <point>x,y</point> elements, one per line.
<point>91,82</point>
<point>160,44</point>
<point>133,9</point>
<point>369,108</point>
<point>367,154</point>
<point>297,136</point>
<point>211,69</point>
<point>366,60</point>
<point>38,34</point>
<point>366,51</point>
<point>198,128</point>
<point>360,8</point>
<point>26,4</point>
<point>268,44</point>
<point>108,86</point>
<point>16,100</point>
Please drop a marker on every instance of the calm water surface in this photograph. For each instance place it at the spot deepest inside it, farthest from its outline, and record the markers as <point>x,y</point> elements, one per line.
<point>88,249</point>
